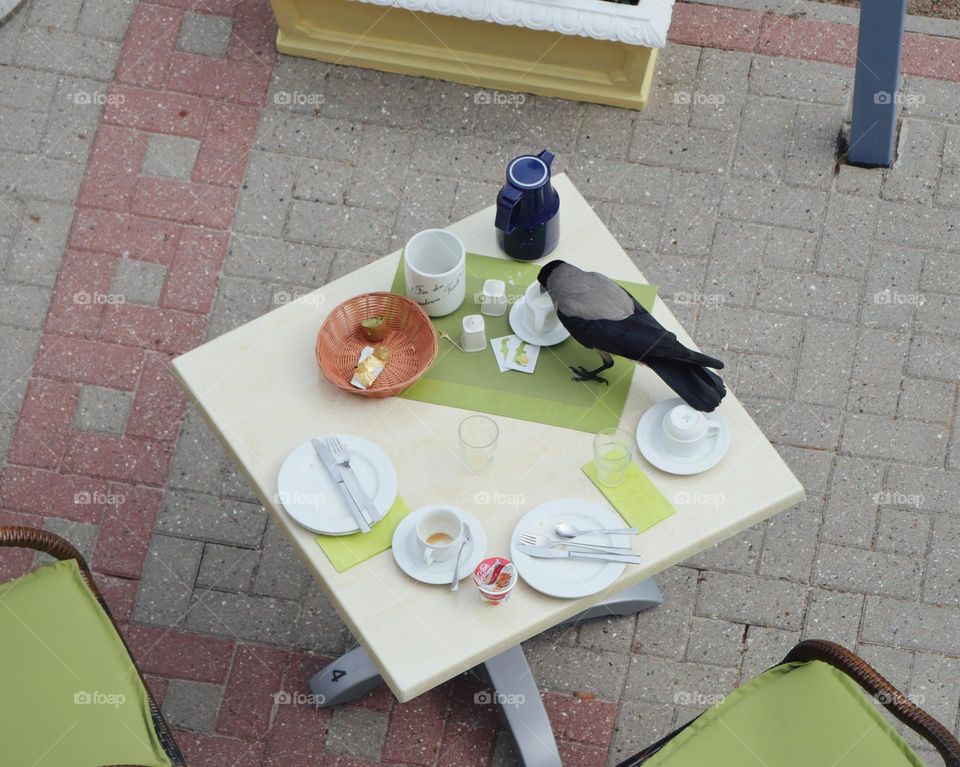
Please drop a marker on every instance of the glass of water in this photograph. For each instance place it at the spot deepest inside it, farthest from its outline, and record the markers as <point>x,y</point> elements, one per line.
<point>478,442</point>
<point>612,453</point>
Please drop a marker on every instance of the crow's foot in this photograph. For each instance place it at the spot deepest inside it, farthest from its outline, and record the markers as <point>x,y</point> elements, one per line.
<point>588,375</point>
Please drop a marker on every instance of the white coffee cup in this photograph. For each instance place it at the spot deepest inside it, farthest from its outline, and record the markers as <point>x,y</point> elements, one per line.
<point>540,309</point>
<point>439,535</point>
<point>685,429</point>
<point>435,271</point>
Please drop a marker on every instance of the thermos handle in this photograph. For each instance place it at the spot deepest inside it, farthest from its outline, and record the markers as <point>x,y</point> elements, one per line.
<point>547,157</point>
<point>506,204</point>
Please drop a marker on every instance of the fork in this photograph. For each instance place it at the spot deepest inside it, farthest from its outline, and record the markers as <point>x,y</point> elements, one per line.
<point>532,539</point>
<point>342,456</point>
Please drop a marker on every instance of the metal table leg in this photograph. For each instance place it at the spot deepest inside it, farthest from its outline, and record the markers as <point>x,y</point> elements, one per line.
<point>514,688</point>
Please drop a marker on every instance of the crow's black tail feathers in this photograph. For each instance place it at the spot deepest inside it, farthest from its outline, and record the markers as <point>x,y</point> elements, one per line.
<point>699,358</point>
<point>700,388</point>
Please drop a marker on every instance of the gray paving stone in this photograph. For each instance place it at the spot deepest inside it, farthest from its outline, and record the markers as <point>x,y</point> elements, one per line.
<point>790,249</point>
<point>878,371</point>
<point>661,680</point>
<point>100,409</point>
<point>679,146</point>
<point>934,682</point>
<point>623,182</point>
<point>892,291</point>
<point>266,194</point>
<point>910,625</point>
<point>242,616</point>
<point>72,126</point>
<point>735,260</point>
<point>926,400</point>
<point>811,467</point>
<point>826,362</point>
<point>602,132</point>
<point>943,563</point>
<point>865,182</point>
<point>737,554</point>
<point>75,54</point>
<point>933,357</point>
<point>170,156</point>
<point>718,643</point>
<point>26,88</point>
<point>209,518</point>
<point>226,568</point>
<point>318,627</point>
<point>663,630</point>
<point>105,18</point>
<point>918,226</point>
<point>688,221</point>
<point>81,534</point>
<point>307,135</point>
<point>17,349</point>
<point>765,130</point>
<point>847,226</point>
<point>801,80</point>
<point>933,99</point>
<point>189,705</point>
<point>796,423</point>
<point>576,669</point>
<point>357,732</point>
<point>766,647</point>
<point>478,158</point>
<point>280,573</point>
<point>428,201</point>
<point>20,131</point>
<point>62,14</point>
<point>790,545</point>
<point>37,249</point>
<point>168,578</point>
<point>639,724</point>
<point>40,176</point>
<point>808,295</point>
<point>720,90</point>
<point>903,532</point>
<point>948,188</point>
<point>938,314</point>
<point>675,76</point>
<point>472,196</point>
<point>322,181</point>
<point>931,490</point>
<point>876,436</point>
<point>538,119</point>
<point>378,179</point>
<point>23,306</point>
<point>913,175</point>
<point>750,599</point>
<point>868,572</point>
<point>834,616</point>
<point>205,33</point>
<point>772,203</point>
<point>140,282</point>
<point>337,227</point>
<point>759,375</point>
<point>613,633</point>
<point>811,158</point>
<point>275,260</point>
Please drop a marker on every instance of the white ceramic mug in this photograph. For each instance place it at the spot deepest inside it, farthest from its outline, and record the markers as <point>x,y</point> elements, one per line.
<point>685,429</point>
<point>439,535</point>
<point>435,271</point>
<point>540,309</point>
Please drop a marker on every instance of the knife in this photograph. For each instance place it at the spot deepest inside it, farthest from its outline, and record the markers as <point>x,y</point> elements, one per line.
<point>542,552</point>
<point>334,470</point>
<point>360,495</point>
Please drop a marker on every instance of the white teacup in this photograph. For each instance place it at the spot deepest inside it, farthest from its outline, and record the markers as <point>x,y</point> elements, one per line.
<point>540,309</point>
<point>439,534</point>
<point>435,271</point>
<point>685,429</point>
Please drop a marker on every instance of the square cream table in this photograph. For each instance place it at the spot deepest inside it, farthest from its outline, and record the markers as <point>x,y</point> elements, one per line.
<point>261,392</point>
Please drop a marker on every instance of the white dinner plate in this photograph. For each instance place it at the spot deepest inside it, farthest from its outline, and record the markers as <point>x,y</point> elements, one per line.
<point>407,553</point>
<point>520,324</point>
<point>651,443</point>
<point>569,578</point>
<point>312,498</point>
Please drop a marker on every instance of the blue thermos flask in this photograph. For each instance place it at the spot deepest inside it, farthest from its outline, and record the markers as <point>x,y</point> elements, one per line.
<point>527,223</point>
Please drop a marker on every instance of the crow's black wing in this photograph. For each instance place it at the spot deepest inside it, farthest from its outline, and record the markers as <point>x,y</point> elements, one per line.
<point>638,337</point>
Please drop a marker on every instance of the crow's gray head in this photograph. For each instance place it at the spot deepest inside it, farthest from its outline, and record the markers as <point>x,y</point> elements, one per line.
<point>546,271</point>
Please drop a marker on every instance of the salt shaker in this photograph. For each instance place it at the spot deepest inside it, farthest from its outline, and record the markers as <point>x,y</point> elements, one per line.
<point>474,338</point>
<point>493,300</point>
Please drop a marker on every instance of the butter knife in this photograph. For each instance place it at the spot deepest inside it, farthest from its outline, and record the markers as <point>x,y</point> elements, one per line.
<point>542,552</point>
<point>334,470</point>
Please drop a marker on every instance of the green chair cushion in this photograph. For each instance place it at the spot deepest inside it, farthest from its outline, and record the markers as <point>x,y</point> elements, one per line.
<point>71,695</point>
<point>794,715</point>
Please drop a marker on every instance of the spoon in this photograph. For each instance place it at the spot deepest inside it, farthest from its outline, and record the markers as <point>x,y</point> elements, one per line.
<point>455,581</point>
<point>569,531</point>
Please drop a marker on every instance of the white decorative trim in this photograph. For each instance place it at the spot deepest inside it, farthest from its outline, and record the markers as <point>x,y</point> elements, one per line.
<point>643,24</point>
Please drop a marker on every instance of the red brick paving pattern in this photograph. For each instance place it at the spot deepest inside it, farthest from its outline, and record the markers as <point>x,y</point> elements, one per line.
<point>183,226</point>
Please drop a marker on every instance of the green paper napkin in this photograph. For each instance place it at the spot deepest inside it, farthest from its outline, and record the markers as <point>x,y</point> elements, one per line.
<point>345,551</point>
<point>636,498</point>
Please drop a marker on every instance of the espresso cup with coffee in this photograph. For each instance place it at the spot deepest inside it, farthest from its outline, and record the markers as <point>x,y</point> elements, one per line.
<point>540,309</point>
<point>685,430</point>
<point>439,535</point>
<point>435,271</point>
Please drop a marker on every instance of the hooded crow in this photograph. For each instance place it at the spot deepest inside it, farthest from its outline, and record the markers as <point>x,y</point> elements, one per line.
<point>604,317</point>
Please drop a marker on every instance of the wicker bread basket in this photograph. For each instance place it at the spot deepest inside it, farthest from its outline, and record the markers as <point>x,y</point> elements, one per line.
<point>410,340</point>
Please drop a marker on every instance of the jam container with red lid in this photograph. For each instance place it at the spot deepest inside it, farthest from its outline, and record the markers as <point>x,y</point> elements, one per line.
<point>496,578</point>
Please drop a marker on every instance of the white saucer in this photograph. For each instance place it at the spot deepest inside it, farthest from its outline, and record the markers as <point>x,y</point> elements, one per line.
<point>312,498</point>
<point>651,443</point>
<point>520,324</point>
<point>569,578</point>
<point>408,556</point>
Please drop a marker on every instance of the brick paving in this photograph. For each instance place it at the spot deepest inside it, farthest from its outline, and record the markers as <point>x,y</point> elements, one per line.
<point>171,178</point>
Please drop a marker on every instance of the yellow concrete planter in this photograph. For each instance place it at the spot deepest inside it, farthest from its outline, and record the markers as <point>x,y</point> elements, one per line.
<point>587,50</point>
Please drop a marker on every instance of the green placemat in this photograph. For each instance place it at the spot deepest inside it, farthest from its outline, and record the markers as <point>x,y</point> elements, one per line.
<point>345,551</point>
<point>636,498</point>
<point>473,381</point>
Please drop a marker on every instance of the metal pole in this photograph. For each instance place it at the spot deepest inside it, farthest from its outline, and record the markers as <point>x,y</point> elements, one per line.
<point>875,83</point>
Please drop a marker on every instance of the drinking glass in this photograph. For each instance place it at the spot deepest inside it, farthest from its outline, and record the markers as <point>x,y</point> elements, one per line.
<point>478,442</point>
<point>612,454</point>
